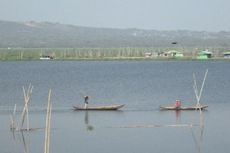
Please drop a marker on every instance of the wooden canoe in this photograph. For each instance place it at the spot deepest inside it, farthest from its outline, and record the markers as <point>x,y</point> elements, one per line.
<point>108,107</point>
<point>183,108</point>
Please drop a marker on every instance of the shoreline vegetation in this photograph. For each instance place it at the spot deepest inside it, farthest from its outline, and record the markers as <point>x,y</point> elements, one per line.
<point>23,54</point>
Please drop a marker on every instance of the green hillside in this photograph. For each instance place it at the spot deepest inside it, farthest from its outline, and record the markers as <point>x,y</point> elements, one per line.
<point>55,35</point>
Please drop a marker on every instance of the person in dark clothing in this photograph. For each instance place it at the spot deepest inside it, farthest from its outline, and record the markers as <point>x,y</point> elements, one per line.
<point>86,101</point>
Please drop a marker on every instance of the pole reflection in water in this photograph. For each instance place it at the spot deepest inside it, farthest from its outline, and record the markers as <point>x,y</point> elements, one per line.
<point>22,140</point>
<point>25,145</point>
<point>198,139</point>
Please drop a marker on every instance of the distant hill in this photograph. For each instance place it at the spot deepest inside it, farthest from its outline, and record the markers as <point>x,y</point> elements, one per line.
<point>55,35</point>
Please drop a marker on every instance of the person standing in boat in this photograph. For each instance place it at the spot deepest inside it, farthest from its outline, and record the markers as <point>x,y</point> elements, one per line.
<point>178,104</point>
<point>86,101</point>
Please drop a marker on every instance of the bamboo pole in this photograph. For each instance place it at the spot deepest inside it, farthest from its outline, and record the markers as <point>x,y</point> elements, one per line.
<point>24,108</point>
<point>25,112</point>
<point>195,87</point>
<point>48,120</point>
<point>29,92</point>
<point>198,94</point>
<point>13,125</point>
<point>202,86</point>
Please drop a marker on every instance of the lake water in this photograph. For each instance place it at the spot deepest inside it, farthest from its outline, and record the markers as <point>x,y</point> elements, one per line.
<point>139,127</point>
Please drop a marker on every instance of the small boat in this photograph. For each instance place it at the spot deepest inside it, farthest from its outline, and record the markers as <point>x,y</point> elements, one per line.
<point>108,107</point>
<point>202,107</point>
<point>198,94</point>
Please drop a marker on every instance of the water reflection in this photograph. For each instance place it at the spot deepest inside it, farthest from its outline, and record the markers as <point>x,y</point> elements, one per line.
<point>178,116</point>
<point>195,127</point>
<point>198,136</point>
<point>25,145</point>
<point>101,115</point>
<point>197,130</point>
<point>88,126</point>
<point>22,140</point>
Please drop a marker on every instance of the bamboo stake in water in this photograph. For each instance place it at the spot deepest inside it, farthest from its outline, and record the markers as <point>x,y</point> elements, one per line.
<point>196,91</point>
<point>195,87</point>
<point>29,92</point>
<point>198,96</point>
<point>201,90</point>
<point>25,111</point>
<point>48,120</point>
<point>13,125</point>
<point>24,108</point>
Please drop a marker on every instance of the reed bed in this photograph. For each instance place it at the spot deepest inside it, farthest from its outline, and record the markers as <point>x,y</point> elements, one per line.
<point>96,53</point>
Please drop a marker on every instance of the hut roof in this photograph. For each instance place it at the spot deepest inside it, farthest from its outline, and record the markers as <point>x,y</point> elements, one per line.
<point>226,53</point>
<point>205,52</point>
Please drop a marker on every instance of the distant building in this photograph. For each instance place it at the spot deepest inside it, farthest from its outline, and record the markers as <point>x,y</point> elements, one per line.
<point>148,54</point>
<point>226,54</point>
<point>174,53</point>
<point>46,57</point>
<point>204,55</point>
<point>161,54</point>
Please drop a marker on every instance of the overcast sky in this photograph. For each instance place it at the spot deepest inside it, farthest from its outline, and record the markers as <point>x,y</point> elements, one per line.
<point>208,15</point>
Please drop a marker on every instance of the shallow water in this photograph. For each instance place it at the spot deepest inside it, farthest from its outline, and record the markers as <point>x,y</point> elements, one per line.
<point>139,127</point>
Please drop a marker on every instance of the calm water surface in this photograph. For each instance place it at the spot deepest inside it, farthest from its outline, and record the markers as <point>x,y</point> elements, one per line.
<point>140,127</point>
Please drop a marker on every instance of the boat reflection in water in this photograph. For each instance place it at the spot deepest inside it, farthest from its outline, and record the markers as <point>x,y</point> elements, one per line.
<point>100,114</point>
